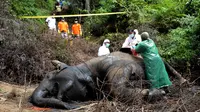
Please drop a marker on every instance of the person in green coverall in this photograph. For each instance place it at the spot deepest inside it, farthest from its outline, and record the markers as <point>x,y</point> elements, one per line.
<point>154,66</point>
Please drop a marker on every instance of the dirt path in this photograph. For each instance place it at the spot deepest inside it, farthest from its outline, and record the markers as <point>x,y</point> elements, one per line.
<point>13,98</point>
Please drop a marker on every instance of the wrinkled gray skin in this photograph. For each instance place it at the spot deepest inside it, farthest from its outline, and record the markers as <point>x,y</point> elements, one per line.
<point>119,70</point>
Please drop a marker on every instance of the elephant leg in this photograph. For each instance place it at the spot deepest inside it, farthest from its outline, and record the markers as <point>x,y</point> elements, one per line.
<point>126,94</point>
<point>119,78</point>
<point>64,88</point>
<point>87,81</point>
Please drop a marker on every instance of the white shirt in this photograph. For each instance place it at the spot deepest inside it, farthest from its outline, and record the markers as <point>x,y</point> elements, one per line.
<point>129,42</point>
<point>51,23</point>
<point>103,50</point>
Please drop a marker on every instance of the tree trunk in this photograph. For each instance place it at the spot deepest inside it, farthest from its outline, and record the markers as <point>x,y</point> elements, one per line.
<point>87,5</point>
<point>175,73</point>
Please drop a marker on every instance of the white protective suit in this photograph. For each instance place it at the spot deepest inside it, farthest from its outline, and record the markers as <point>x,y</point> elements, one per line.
<point>51,23</point>
<point>132,39</point>
<point>103,50</point>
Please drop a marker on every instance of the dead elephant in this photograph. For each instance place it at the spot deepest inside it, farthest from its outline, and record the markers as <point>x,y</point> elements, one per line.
<point>118,75</point>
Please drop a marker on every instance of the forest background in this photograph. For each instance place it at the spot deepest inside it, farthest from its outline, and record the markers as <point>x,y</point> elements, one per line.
<point>173,24</point>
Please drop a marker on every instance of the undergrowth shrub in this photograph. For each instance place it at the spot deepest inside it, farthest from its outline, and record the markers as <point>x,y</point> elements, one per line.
<point>27,49</point>
<point>82,51</point>
<point>181,45</point>
<point>21,56</point>
<point>31,8</point>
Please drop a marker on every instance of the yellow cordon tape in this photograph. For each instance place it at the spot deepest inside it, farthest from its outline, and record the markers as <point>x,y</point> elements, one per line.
<point>74,15</point>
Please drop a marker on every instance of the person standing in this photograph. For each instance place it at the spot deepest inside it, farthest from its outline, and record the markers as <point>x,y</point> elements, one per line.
<point>104,49</point>
<point>137,38</point>
<point>133,39</point>
<point>51,22</point>
<point>63,28</point>
<point>58,8</point>
<point>154,66</point>
<point>76,29</point>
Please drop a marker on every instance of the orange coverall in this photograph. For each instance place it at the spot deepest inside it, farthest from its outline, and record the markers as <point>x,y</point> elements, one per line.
<point>63,26</point>
<point>76,29</point>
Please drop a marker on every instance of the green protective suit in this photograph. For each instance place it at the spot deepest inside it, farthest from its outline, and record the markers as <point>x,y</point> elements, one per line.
<point>154,66</point>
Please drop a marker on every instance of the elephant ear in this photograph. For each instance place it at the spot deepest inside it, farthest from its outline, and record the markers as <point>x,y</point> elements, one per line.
<point>59,65</point>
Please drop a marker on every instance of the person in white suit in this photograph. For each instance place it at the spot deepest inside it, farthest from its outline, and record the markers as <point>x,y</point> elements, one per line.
<point>51,22</point>
<point>104,49</point>
<point>132,40</point>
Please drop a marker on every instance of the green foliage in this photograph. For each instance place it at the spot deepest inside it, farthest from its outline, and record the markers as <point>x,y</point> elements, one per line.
<point>181,44</point>
<point>23,7</point>
<point>179,34</point>
<point>101,25</point>
<point>193,8</point>
<point>31,7</point>
<point>175,47</point>
<point>163,14</point>
<point>178,24</point>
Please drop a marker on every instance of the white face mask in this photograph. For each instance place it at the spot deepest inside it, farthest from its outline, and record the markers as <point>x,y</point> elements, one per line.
<point>131,35</point>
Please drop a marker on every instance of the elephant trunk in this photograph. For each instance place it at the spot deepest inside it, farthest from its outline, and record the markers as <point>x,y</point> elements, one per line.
<point>52,103</point>
<point>39,98</point>
<point>43,96</point>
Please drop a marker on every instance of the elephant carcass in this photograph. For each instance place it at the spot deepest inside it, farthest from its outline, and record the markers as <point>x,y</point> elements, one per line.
<point>77,83</point>
<point>57,89</point>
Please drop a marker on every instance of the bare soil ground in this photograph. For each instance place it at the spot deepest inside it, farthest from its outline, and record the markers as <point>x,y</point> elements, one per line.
<point>14,98</point>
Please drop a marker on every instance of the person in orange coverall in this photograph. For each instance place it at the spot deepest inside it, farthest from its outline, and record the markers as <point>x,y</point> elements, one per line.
<point>63,28</point>
<point>76,29</point>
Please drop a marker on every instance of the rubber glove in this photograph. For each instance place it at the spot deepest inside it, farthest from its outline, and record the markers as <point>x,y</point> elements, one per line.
<point>132,47</point>
<point>68,32</point>
<point>80,33</point>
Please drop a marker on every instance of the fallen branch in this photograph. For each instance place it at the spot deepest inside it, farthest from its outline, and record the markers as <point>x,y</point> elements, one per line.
<point>83,107</point>
<point>175,73</point>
